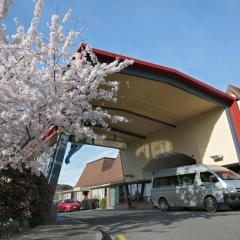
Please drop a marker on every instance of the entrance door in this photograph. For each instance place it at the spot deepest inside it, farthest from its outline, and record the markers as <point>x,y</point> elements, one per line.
<point>113,197</point>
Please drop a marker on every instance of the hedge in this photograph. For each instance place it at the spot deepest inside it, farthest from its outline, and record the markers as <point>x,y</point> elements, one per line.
<point>103,203</point>
<point>89,203</point>
<point>24,197</point>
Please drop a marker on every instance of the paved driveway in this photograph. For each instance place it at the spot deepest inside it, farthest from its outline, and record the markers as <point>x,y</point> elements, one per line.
<point>154,225</point>
<point>140,225</point>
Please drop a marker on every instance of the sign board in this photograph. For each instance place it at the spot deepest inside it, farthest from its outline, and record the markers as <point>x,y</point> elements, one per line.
<point>104,143</point>
<point>112,144</point>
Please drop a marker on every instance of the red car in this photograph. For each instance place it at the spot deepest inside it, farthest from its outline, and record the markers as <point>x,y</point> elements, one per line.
<point>68,205</point>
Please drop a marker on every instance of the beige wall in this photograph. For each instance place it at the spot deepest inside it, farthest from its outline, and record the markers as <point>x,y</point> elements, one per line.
<point>200,137</point>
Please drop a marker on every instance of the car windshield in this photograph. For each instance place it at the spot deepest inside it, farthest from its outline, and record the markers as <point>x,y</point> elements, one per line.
<point>69,201</point>
<point>228,175</point>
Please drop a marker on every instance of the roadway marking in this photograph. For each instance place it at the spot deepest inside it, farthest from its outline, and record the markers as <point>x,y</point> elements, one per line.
<point>105,230</point>
<point>121,237</point>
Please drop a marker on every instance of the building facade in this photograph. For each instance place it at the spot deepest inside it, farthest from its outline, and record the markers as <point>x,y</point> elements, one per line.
<point>103,178</point>
<point>171,114</point>
<point>171,117</point>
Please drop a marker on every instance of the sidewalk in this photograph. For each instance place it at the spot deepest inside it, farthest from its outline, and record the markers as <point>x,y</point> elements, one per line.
<point>61,230</point>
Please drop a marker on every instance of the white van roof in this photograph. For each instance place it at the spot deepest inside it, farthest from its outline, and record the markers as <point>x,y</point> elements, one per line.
<point>188,169</point>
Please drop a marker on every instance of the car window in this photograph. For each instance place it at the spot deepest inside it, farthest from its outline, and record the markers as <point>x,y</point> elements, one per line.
<point>208,177</point>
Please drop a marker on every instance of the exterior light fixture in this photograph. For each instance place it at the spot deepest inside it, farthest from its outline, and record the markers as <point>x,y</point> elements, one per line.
<point>217,158</point>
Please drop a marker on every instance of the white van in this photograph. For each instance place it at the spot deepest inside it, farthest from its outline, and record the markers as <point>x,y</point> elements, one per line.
<point>197,185</point>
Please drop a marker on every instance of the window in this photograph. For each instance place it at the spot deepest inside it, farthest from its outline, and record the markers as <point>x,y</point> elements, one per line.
<point>156,183</point>
<point>208,177</point>
<point>164,181</point>
<point>185,179</point>
<point>228,175</point>
<point>179,180</point>
<point>147,191</point>
<point>235,169</point>
<point>172,181</point>
<point>121,194</point>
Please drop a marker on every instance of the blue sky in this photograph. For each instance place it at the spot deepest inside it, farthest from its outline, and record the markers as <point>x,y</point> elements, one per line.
<point>199,38</point>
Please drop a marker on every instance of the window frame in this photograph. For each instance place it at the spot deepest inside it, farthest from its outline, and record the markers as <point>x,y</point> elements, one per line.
<point>177,181</point>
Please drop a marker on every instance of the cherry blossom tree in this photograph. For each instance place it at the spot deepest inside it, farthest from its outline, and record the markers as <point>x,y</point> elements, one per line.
<point>4,6</point>
<point>44,84</point>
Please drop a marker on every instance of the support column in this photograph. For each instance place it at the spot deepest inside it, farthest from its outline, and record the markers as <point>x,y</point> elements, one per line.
<point>128,196</point>
<point>108,202</point>
<point>56,162</point>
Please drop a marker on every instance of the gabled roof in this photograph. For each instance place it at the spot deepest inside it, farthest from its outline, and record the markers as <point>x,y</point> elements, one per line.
<point>154,97</point>
<point>100,172</point>
<point>104,56</point>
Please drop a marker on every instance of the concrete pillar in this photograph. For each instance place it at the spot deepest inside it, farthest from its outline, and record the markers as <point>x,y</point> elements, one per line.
<point>90,194</point>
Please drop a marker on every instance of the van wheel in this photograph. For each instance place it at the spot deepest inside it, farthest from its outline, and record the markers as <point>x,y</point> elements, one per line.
<point>210,204</point>
<point>163,204</point>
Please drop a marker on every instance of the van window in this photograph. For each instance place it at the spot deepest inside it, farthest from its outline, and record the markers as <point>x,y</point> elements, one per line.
<point>164,181</point>
<point>185,179</point>
<point>208,177</point>
<point>156,182</point>
<point>179,180</point>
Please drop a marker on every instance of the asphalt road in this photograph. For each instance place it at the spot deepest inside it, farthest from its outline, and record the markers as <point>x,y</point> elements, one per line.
<point>154,224</point>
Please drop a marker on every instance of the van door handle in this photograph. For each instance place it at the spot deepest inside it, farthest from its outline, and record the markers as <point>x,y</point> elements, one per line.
<point>202,185</point>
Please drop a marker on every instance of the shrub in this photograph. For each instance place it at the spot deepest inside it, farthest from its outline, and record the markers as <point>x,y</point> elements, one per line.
<point>10,226</point>
<point>63,187</point>
<point>89,203</point>
<point>84,204</point>
<point>24,196</point>
<point>93,203</point>
<point>103,203</point>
